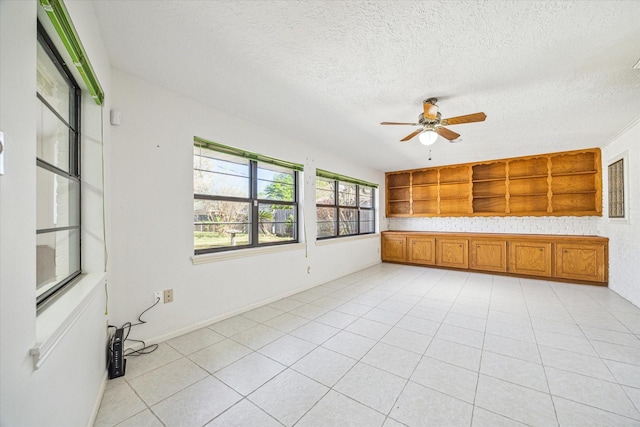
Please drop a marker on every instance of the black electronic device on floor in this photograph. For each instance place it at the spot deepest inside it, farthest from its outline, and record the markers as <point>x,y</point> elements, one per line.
<point>117,362</point>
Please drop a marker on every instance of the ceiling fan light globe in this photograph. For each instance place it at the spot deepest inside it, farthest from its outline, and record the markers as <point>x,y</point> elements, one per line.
<point>428,137</point>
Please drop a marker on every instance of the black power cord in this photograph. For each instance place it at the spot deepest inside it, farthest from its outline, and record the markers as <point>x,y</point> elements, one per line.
<point>128,325</point>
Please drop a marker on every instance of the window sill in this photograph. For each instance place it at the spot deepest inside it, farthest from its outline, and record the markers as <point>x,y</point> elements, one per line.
<point>243,253</point>
<point>334,240</point>
<point>55,321</point>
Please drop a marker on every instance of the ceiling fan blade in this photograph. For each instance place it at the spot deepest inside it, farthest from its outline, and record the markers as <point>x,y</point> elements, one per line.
<point>411,135</point>
<point>398,123</point>
<point>446,133</point>
<point>469,118</point>
<point>430,111</point>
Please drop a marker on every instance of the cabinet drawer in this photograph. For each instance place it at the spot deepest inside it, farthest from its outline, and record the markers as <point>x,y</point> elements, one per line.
<point>530,258</point>
<point>421,250</point>
<point>452,253</point>
<point>394,248</point>
<point>580,261</point>
<point>488,255</point>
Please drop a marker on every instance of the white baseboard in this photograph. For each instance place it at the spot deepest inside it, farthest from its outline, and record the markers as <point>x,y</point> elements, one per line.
<point>165,337</point>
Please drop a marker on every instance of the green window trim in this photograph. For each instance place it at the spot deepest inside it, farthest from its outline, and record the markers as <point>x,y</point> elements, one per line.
<point>61,21</point>
<point>330,175</point>
<point>221,148</point>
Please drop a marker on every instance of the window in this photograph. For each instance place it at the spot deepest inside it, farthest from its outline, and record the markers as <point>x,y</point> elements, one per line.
<point>616,189</point>
<point>242,199</point>
<point>57,173</point>
<point>344,206</point>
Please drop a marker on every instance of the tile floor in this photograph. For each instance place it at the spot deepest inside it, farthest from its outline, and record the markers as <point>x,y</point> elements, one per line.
<point>397,345</point>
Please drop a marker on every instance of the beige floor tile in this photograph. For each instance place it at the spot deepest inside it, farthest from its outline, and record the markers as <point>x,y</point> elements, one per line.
<point>591,391</point>
<point>249,373</point>
<point>161,383</point>
<point>287,349</point>
<point>446,378</point>
<point>454,353</point>
<point>574,414</point>
<point>351,345</point>
<point>194,341</point>
<point>357,384</point>
<point>243,414</point>
<point>392,359</point>
<point>422,406</point>
<point>197,404</point>
<point>335,409</point>
<point>233,325</point>
<point>514,401</point>
<point>288,396</point>
<point>219,355</point>
<point>324,366</point>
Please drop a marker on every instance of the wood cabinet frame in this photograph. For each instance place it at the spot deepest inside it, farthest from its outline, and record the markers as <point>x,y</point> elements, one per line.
<point>567,183</point>
<point>577,259</point>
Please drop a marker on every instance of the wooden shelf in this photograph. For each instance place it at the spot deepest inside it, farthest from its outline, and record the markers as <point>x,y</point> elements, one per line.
<point>489,180</point>
<point>558,193</point>
<point>514,178</point>
<point>454,198</point>
<point>489,196</point>
<point>555,184</point>
<point>574,173</point>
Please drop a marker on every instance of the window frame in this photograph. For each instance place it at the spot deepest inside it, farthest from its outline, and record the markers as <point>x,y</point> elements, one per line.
<point>625,218</point>
<point>255,160</point>
<point>74,173</point>
<point>337,179</point>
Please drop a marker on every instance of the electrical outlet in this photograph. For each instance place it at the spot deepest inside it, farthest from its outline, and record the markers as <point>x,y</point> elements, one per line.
<point>158,297</point>
<point>168,295</point>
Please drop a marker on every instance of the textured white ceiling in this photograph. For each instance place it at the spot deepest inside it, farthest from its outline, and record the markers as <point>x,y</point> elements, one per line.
<point>550,75</point>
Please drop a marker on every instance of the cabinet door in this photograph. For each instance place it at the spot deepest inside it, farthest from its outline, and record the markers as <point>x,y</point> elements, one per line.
<point>394,248</point>
<point>489,255</point>
<point>531,258</point>
<point>581,261</point>
<point>422,250</point>
<point>453,253</point>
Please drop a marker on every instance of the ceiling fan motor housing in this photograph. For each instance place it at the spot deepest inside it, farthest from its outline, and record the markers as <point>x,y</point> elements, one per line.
<point>426,121</point>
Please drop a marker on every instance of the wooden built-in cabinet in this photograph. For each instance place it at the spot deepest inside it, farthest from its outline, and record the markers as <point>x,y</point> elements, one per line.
<point>421,250</point>
<point>452,252</point>
<point>530,257</point>
<point>582,259</point>
<point>394,248</point>
<point>488,255</point>
<point>556,184</point>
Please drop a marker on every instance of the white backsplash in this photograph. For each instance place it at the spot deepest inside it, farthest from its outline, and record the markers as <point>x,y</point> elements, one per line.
<point>570,225</point>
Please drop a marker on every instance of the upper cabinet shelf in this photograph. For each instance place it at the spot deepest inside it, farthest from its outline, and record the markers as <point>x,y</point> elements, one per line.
<point>556,184</point>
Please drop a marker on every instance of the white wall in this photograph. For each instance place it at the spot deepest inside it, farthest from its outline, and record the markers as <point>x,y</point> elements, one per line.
<point>65,389</point>
<point>586,225</point>
<point>152,214</point>
<point>624,236</point>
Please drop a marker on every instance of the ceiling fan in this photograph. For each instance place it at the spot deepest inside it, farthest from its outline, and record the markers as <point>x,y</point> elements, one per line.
<point>433,124</point>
